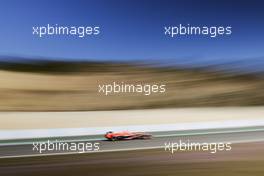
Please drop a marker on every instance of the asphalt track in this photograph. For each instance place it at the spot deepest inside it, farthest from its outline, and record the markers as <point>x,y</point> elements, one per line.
<point>10,149</point>
<point>143,157</point>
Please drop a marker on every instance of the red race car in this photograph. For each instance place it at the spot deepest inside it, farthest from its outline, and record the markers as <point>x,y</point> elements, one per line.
<point>126,135</point>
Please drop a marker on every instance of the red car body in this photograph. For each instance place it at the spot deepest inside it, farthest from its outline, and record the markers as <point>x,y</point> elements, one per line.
<point>126,135</point>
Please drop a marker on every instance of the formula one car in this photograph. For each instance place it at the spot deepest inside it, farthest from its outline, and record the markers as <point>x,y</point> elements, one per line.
<point>126,135</point>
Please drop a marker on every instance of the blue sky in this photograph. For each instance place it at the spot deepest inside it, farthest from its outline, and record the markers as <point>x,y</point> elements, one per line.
<point>133,29</point>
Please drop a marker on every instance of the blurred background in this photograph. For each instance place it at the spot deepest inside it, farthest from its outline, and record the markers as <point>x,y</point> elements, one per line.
<point>62,73</point>
<point>41,85</point>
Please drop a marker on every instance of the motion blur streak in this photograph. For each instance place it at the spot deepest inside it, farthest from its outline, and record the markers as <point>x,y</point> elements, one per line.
<point>28,85</point>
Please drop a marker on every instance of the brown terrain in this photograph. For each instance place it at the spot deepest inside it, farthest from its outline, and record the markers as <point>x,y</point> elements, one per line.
<point>74,86</point>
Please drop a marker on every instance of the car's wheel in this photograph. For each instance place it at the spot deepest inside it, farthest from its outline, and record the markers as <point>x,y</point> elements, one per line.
<point>114,138</point>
